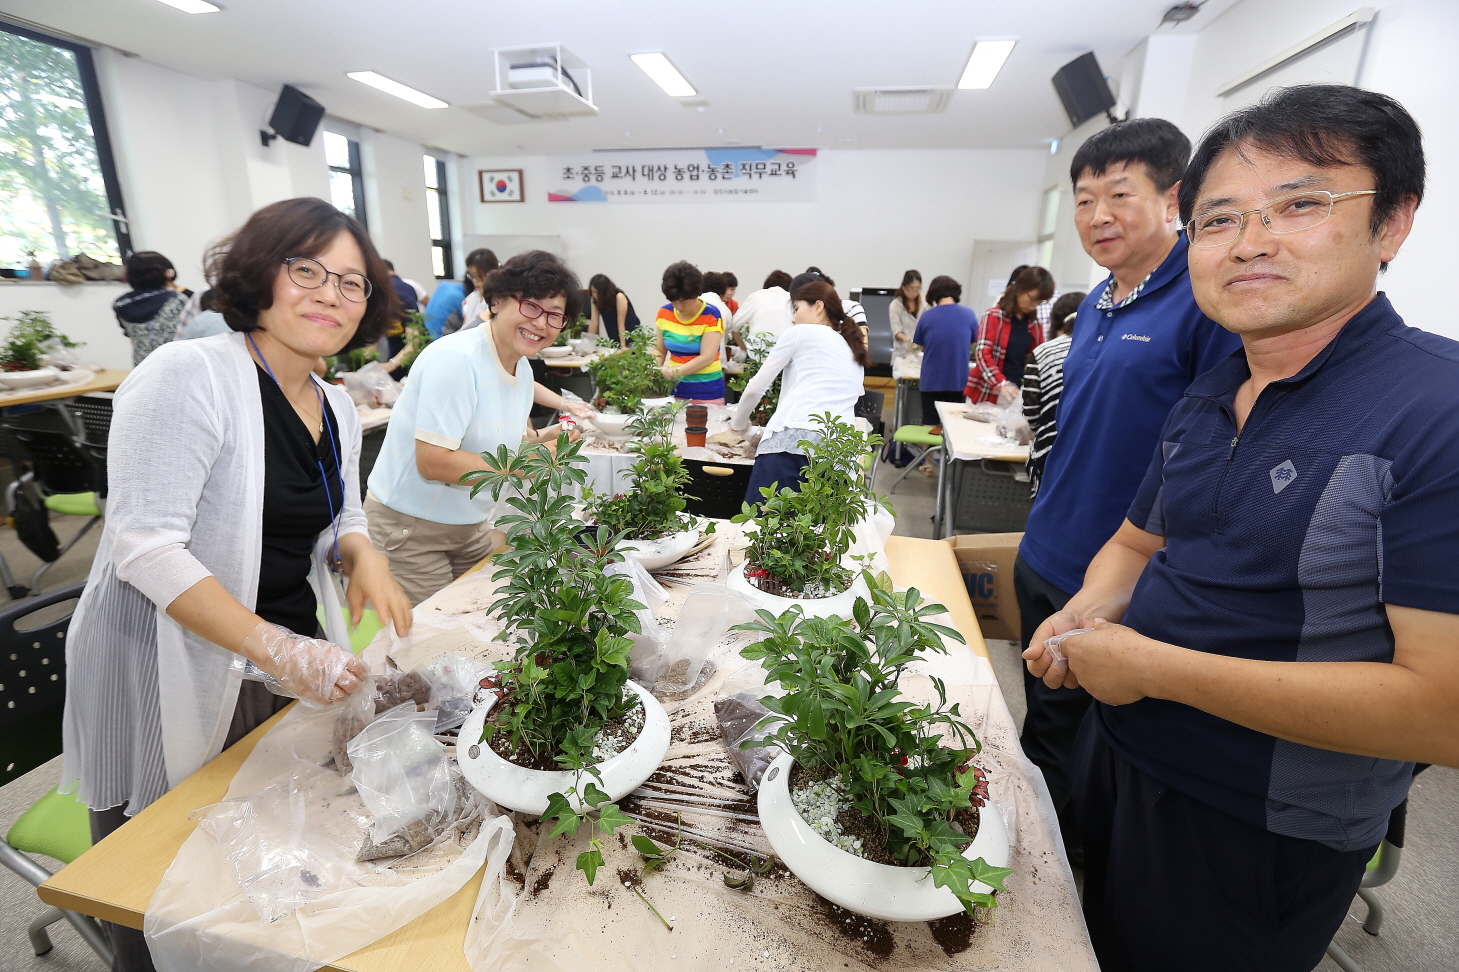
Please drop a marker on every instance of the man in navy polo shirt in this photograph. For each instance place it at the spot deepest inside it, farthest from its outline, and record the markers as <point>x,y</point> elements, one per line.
<point>1139,341</point>
<point>1288,575</point>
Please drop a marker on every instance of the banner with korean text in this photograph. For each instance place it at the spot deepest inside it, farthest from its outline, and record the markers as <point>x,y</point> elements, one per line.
<point>684,175</point>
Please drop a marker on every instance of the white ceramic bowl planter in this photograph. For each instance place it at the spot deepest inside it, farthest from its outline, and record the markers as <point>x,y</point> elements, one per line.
<point>660,553</point>
<point>28,379</point>
<point>518,788</point>
<point>856,884</point>
<point>835,606</point>
<point>611,424</point>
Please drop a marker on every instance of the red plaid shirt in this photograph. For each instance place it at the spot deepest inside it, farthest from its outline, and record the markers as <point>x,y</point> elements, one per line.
<point>988,354</point>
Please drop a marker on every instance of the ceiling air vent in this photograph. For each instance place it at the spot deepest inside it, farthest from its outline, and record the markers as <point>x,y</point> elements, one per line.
<point>901,101</point>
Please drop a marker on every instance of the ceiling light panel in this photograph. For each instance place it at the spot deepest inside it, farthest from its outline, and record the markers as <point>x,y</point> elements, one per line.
<point>193,6</point>
<point>661,71</point>
<point>985,63</point>
<point>397,89</point>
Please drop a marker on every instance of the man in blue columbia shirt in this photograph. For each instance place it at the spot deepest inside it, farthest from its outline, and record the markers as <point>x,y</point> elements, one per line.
<point>1139,341</point>
<point>1288,575</point>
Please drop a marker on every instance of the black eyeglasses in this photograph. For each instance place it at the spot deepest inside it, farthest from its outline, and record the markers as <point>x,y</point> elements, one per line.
<point>311,275</point>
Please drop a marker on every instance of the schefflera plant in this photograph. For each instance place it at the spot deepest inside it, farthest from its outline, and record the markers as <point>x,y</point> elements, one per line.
<point>797,539</point>
<point>906,768</point>
<point>654,506</point>
<point>624,379</point>
<point>569,618</point>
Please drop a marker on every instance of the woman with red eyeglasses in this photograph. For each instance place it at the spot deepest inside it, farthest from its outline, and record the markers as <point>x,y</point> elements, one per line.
<point>469,392</point>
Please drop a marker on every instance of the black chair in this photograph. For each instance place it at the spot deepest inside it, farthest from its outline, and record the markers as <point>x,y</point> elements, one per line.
<point>67,475</point>
<point>1381,870</point>
<point>869,406</point>
<point>90,419</point>
<point>32,683</point>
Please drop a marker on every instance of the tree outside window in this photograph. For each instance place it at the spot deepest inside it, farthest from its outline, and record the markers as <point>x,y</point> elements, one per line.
<point>56,176</point>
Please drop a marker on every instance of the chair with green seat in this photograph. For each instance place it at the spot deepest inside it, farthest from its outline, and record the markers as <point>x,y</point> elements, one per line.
<point>56,826</point>
<point>67,473</point>
<point>920,437</point>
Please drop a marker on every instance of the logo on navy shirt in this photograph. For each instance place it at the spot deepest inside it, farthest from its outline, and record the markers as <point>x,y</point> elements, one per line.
<point>1283,476</point>
<point>1135,337</point>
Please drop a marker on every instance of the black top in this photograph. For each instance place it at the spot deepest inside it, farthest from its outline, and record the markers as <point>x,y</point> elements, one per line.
<point>609,318</point>
<point>295,507</point>
<point>1020,342</point>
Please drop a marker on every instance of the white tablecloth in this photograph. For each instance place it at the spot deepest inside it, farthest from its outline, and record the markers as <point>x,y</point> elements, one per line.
<point>969,440</point>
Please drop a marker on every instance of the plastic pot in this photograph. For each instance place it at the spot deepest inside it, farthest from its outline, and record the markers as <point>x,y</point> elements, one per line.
<point>835,606</point>
<point>856,884</point>
<point>695,435</point>
<point>518,788</point>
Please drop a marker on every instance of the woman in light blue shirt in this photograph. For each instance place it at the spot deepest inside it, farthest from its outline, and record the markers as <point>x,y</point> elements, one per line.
<point>468,393</point>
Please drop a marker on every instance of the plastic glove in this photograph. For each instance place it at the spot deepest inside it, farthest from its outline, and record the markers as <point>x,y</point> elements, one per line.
<point>312,670</point>
<point>1008,392</point>
<point>739,424</point>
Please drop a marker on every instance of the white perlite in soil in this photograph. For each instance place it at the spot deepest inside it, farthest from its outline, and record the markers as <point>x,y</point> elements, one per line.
<point>819,803</point>
<point>608,744</point>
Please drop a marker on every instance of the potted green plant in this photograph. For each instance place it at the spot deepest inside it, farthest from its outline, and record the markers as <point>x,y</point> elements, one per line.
<point>23,356</point>
<point>650,514</point>
<point>756,351</point>
<point>416,337</point>
<point>799,540</point>
<point>875,802</point>
<point>563,732</point>
<point>623,380</point>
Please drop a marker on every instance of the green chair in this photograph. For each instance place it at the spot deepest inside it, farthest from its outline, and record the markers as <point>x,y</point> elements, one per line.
<point>69,504</point>
<point>922,438</point>
<point>56,826</point>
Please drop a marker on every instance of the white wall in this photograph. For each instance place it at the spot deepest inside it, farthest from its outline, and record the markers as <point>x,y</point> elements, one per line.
<point>395,203</point>
<point>877,213</point>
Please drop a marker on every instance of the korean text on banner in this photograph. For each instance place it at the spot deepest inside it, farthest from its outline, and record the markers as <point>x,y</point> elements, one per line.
<point>684,175</point>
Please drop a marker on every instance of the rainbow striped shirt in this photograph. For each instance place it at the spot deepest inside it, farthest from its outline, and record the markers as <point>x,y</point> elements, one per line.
<point>682,339</point>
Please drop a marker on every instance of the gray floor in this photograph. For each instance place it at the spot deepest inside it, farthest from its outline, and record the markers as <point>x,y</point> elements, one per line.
<point>1421,931</point>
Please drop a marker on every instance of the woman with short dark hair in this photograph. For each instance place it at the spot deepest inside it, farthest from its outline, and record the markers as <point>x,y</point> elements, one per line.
<point>611,312</point>
<point>945,332</point>
<point>150,312</point>
<point>469,393</point>
<point>690,332</point>
<point>1011,330</point>
<point>233,510</point>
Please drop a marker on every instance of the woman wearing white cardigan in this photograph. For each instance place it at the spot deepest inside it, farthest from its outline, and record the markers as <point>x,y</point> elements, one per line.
<point>234,499</point>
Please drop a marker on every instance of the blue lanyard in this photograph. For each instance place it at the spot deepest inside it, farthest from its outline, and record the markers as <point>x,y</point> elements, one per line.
<point>328,431</point>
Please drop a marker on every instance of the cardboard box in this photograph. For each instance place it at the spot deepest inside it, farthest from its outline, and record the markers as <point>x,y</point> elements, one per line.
<point>986,561</point>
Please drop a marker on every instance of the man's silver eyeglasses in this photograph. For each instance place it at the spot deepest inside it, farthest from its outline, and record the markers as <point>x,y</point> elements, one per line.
<point>1288,214</point>
<point>311,275</point>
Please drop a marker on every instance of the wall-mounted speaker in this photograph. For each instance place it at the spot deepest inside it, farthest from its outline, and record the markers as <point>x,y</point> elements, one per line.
<point>296,117</point>
<point>1083,90</point>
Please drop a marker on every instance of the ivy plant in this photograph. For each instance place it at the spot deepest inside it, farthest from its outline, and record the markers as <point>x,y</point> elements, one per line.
<point>654,506</point>
<point>757,349</point>
<point>624,379</point>
<point>569,619</point>
<point>905,767</point>
<point>797,539</point>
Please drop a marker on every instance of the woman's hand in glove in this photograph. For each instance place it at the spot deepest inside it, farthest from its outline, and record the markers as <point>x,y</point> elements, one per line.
<point>310,669</point>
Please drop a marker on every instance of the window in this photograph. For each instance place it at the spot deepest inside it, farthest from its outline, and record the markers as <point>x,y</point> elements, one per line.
<point>439,214</point>
<point>1048,225</point>
<point>57,179</point>
<point>346,176</point>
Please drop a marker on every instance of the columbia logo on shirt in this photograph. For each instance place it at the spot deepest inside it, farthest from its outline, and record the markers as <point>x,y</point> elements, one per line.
<point>1135,337</point>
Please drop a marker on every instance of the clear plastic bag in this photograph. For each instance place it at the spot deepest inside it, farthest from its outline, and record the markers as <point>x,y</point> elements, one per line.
<point>283,856</point>
<point>454,681</point>
<point>704,619</point>
<point>371,385</point>
<point>738,715</point>
<point>1012,425</point>
<point>402,773</point>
